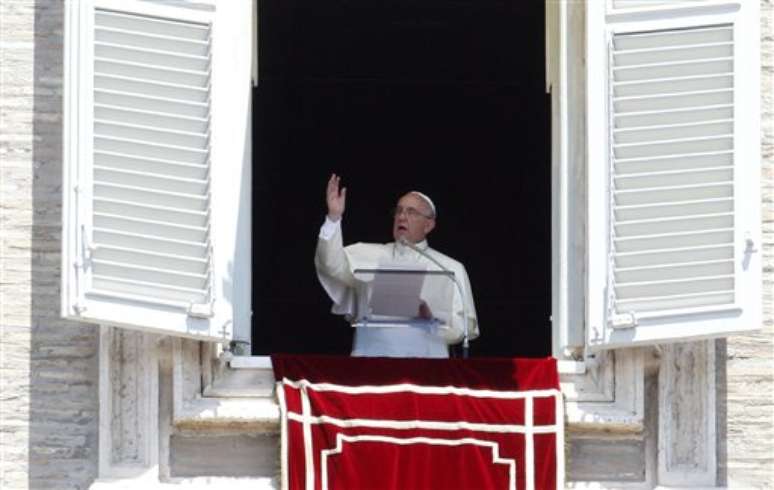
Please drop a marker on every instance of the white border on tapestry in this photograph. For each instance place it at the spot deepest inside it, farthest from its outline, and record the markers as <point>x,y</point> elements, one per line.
<point>496,459</point>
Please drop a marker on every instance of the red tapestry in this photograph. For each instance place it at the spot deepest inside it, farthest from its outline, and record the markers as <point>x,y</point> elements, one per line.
<point>379,423</point>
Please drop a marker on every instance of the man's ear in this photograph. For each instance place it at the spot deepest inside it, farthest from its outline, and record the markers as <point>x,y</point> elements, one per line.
<point>429,226</point>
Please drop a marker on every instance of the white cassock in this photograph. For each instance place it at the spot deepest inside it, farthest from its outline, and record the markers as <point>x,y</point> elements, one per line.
<point>335,268</point>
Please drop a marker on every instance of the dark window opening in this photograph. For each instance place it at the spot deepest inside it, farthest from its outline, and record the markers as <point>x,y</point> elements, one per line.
<point>443,97</point>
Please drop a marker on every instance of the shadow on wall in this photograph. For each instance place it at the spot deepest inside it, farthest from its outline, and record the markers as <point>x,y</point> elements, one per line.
<point>721,385</point>
<point>63,355</point>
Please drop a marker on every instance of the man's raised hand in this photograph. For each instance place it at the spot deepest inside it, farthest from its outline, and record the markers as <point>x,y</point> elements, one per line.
<point>335,198</point>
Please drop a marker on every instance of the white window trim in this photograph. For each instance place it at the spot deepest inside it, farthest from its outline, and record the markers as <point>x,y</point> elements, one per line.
<point>604,392</point>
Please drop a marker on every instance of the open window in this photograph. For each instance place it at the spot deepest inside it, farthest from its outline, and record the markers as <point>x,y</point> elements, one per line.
<point>158,171</point>
<point>156,166</point>
<point>444,98</point>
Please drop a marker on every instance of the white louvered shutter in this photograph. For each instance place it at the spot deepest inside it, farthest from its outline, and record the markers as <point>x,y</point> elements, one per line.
<point>674,209</point>
<point>144,169</point>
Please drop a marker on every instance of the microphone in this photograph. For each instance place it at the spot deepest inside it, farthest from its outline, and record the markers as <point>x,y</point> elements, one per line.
<point>465,334</point>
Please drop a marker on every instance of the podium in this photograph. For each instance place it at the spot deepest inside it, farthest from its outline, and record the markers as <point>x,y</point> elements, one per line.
<point>397,297</point>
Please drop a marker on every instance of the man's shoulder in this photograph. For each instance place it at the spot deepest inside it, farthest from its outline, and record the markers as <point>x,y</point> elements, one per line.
<point>365,250</point>
<point>445,259</point>
<point>367,246</point>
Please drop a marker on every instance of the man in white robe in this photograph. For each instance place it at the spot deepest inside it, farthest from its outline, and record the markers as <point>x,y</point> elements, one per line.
<point>414,219</point>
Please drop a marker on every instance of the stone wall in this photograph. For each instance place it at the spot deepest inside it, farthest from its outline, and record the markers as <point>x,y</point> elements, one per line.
<point>48,396</point>
<point>747,396</point>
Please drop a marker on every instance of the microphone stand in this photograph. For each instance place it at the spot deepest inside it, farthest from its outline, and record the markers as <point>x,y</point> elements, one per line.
<point>465,333</point>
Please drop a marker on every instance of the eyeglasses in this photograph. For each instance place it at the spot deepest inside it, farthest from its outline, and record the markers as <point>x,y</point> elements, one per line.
<point>412,213</point>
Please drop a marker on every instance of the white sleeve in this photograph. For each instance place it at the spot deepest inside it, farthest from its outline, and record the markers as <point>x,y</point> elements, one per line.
<point>329,228</point>
<point>333,269</point>
<point>330,259</point>
<point>455,329</point>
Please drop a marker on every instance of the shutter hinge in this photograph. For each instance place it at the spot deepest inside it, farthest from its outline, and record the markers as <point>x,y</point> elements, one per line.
<point>749,246</point>
<point>622,320</point>
<point>201,310</point>
<point>225,331</point>
<point>89,247</point>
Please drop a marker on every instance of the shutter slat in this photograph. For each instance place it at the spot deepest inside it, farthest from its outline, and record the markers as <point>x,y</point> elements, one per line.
<point>673,209</point>
<point>175,184</point>
<point>677,37</point>
<point>149,212</point>
<point>670,194</point>
<point>157,242</point>
<point>149,56</point>
<point>161,42</point>
<point>683,131</point>
<point>624,275</point>
<point>675,286</point>
<point>141,86</point>
<point>171,231</point>
<point>629,4</point>
<point>673,69</point>
<point>144,258</point>
<point>672,126</point>
<point>677,301</point>
<point>673,255</point>
<point>106,66</point>
<point>152,274</point>
<point>648,138</point>
<point>673,116</point>
<point>652,242</point>
<point>145,25</point>
<point>151,187</point>
<point>661,55</point>
<point>673,148</point>
<point>151,103</point>
<point>153,53</point>
<point>673,162</point>
<point>150,165</point>
<point>144,289</point>
<point>106,142</point>
<point>657,102</point>
<point>662,225</point>
<point>147,118</point>
<point>189,203</point>
<point>661,48</point>
<point>674,177</point>
<point>168,117</point>
<point>653,86</point>
<point>178,139</point>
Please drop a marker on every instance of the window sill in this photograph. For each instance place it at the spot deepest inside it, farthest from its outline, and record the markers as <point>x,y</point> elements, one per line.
<point>264,362</point>
<point>598,408</point>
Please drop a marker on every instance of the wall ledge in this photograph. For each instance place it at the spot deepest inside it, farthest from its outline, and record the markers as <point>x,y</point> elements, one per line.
<point>250,414</point>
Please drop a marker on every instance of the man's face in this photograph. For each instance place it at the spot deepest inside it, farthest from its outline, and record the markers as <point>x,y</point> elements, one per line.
<point>413,219</point>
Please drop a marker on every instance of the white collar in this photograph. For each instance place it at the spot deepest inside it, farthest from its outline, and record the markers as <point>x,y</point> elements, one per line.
<point>400,250</point>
